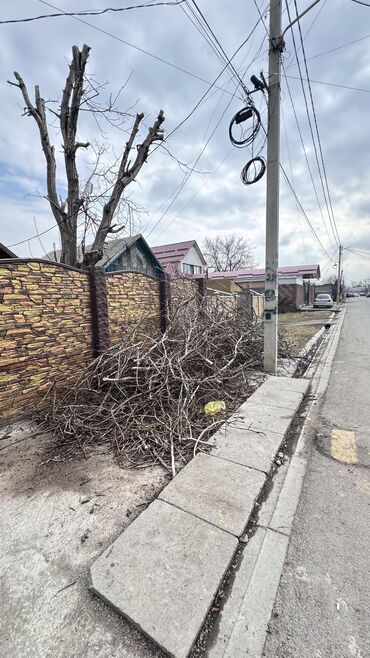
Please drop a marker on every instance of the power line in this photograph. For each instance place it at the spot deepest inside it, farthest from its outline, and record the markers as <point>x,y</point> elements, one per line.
<point>319,167</point>
<point>97,12</point>
<point>182,185</point>
<point>330,84</point>
<point>187,176</point>
<point>292,175</point>
<point>321,7</point>
<point>131,45</point>
<point>311,131</point>
<point>332,50</point>
<point>359,253</point>
<point>207,30</point>
<point>359,2</point>
<point>334,224</point>
<point>304,213</point>
<point>306,158</point>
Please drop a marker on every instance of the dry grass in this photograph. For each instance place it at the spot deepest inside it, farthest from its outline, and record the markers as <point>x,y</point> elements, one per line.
<point>301,335</point>
<point>304,316</point>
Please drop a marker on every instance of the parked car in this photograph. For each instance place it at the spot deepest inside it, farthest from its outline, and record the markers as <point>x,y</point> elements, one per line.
<point>323,300</point>
<point>363,294</point>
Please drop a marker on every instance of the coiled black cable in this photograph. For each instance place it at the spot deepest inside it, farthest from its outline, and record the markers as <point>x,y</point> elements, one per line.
<point>248,112</point>
<point>245,174</point>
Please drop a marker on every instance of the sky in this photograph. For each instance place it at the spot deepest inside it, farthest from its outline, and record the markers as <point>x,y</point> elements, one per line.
<point>203,196</point>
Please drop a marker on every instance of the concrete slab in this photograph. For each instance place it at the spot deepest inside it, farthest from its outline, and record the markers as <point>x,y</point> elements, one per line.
<point>218,491</point>
<point>274,396</point>
<point>288,383</point>
<point>252,449</point>
<point>262,418</point>
<point>163,572</point>
<point>283,516</point>
<point>268,506</point>
<point>243,626</point>
<point>234,602</point>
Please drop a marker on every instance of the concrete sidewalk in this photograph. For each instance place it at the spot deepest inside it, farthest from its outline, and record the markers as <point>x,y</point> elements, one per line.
<point>164,571</point>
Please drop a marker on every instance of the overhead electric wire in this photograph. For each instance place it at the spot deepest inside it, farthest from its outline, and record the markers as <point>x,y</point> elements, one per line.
<point>332,217</point>
<point>331,50</point>
<point>307,160</point>
<point>354,251</point>
<point>291,174</point>
<point>188,175</point>
<point>132,45</point>
<point>319,167</point>
<point>321,7</point>
<point>97,12</point>
<point>304,213</point>
<point>330,84</point>
<point>359,2</point>
<point>182,185</point>
<point>205,29</point>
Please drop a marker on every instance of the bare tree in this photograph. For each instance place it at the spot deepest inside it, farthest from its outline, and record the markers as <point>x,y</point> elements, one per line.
<point>78,94</point>
<point>229,252</point>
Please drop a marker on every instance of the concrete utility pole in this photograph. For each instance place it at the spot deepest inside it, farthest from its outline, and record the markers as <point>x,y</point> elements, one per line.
<point>339,277</point>
<point>272,197</point>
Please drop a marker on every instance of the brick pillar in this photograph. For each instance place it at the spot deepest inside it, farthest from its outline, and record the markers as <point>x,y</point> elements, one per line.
<point>99,311</point>
<point>164,300</point>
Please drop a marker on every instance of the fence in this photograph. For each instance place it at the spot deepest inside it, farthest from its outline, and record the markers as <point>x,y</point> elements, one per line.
<point>55,319</point>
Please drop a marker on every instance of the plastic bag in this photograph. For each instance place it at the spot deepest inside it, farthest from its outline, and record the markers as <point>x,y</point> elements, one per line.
<point>215,407</point>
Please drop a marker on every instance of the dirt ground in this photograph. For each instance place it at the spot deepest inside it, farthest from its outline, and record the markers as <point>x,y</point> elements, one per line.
<point>57,516</point>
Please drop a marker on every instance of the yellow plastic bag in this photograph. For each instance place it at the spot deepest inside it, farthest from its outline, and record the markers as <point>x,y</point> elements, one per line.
<point>213,408</point>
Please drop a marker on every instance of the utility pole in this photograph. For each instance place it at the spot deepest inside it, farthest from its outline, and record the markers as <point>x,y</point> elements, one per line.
<point>339,277</point>
<point>272,195</point>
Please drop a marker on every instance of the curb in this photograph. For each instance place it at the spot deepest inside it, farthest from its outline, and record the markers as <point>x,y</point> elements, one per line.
<point>245,616</point>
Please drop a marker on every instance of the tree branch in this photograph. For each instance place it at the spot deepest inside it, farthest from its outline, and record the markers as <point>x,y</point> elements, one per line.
<point>126,175</point>
<point>38,114</point>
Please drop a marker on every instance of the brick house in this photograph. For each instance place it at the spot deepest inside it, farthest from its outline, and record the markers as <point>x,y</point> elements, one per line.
<point>184,257</point>
<point>295,283</point>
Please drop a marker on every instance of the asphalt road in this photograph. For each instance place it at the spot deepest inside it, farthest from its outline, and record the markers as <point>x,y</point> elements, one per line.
<point>323,604</point>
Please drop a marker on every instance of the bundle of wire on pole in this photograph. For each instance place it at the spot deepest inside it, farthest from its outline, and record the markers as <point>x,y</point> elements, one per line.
<point>243,130</point>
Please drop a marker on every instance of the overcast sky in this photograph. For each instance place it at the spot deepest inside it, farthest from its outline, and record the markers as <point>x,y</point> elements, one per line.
<point>213,201</point>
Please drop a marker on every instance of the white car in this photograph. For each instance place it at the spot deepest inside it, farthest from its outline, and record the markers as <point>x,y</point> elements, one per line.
<point>323,300</point>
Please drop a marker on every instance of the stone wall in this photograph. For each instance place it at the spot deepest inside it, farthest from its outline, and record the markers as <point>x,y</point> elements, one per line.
<point>55,319</point>
<point>45,330</point>
<point>133,299</point>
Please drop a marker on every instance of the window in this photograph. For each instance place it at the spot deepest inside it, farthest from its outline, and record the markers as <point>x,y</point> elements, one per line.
<point>191,269</point>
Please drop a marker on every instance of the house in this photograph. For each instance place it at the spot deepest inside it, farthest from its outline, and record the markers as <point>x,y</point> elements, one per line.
<point>130,253</point>
<point>295,287</point>
<point>6,253</point>
<point>184,257</point>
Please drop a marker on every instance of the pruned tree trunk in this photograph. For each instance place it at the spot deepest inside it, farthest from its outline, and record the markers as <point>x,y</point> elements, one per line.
<point>66,212</point>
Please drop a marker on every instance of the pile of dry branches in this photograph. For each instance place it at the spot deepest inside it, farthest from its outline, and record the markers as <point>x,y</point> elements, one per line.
<point>146,395</point>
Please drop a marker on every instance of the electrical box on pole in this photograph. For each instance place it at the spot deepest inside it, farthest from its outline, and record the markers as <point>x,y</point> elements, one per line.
<point>272,196</point>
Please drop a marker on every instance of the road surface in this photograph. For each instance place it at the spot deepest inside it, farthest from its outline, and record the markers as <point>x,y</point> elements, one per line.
<point>323,604</point>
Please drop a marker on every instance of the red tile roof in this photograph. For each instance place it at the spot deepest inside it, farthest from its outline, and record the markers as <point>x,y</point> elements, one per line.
<point>308,271</point>
<point>172,253</point>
